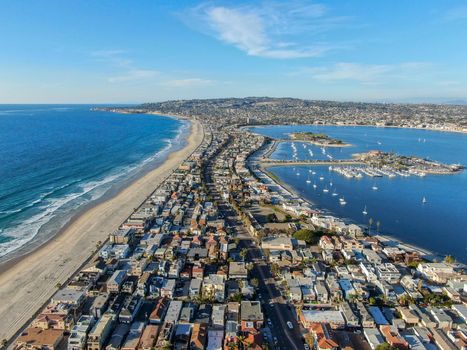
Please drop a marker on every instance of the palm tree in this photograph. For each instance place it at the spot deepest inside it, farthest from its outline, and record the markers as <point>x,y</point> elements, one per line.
<point>244,252</point>
<point>353,298</point>
<point>420,285</point>
<point>370,222</point>
<point>232,346</point>
<point>241,339</point>
<point>449,259</point>
<point>167,346</point>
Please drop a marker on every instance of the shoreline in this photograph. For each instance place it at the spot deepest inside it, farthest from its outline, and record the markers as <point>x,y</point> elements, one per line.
<point>319,144</point>
<point>294,138</point>
<point>428,254</point>
<point>41,238</point>
<point>284,187</point>
<point>362,125</point>
<point>27,282</point>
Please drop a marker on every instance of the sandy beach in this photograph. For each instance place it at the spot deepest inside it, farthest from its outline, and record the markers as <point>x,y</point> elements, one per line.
<point>26,284</point>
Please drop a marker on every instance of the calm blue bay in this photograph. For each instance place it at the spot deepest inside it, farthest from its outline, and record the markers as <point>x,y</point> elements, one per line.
<point>56,159</point>
<point>439,225</point>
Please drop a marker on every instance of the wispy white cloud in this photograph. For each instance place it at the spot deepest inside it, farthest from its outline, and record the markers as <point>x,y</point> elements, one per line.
<point>365,73</point>
<point>349,71</point>
<point>272,30</point>
<point>127,70</point>
<point>133,74</point>
<point>190,82</point>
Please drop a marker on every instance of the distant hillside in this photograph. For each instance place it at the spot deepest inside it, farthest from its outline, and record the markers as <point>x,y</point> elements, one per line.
<point>268,110</point>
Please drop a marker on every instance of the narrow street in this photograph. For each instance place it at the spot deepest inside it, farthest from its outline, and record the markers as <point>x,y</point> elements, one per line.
<point>276,310</point>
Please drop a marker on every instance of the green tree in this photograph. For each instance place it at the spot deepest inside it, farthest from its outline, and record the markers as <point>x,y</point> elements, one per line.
<point>275,269</point>
<point>254,282</point>
<point>309,236</point>
<point>166,346</point>
<point>237,297</point>
<point>449,259</point>
<point>405,300</point>
<point>272,217</point>
<point>244,252</point>
<point>385,346</point>
<point>370,223</point>
<point>420,285</point>
<point>434,299</point>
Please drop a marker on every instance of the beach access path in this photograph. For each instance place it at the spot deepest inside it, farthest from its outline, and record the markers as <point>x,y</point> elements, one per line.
<point>32,280</point>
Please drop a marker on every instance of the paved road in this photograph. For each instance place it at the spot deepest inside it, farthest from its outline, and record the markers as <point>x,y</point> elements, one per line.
<point>276,310</point>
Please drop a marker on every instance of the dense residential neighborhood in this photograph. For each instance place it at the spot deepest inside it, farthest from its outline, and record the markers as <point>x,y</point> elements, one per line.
<point>270,111</point>
<point>221,256</point>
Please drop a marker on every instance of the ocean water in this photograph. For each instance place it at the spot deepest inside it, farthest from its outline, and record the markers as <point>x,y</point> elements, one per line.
<point>439,225</point>
<point>56,159</point>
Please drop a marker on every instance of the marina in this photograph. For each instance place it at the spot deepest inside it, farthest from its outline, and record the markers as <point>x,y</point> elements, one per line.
<point>410,206</point>
<point>224,175</point>
<point>359,172</point>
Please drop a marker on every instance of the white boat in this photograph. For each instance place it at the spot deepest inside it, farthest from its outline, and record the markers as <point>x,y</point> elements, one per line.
<point>321,178</point>
<point>298,174</point>
<point>364,211</point>
<point>308,181</point>
<point>424,200</point>
<point>334,193</point>
<point>330,184</point>
<point>313,172</point>
<point>325,190</point>
<point>314,185</point>
<point>375,187</point>
<point>342,201</point>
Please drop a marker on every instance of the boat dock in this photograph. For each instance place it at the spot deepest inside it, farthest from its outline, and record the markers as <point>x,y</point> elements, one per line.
<point>273,162</point>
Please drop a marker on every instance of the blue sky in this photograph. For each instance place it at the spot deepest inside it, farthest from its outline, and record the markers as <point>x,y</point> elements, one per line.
<point>111,51</point>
